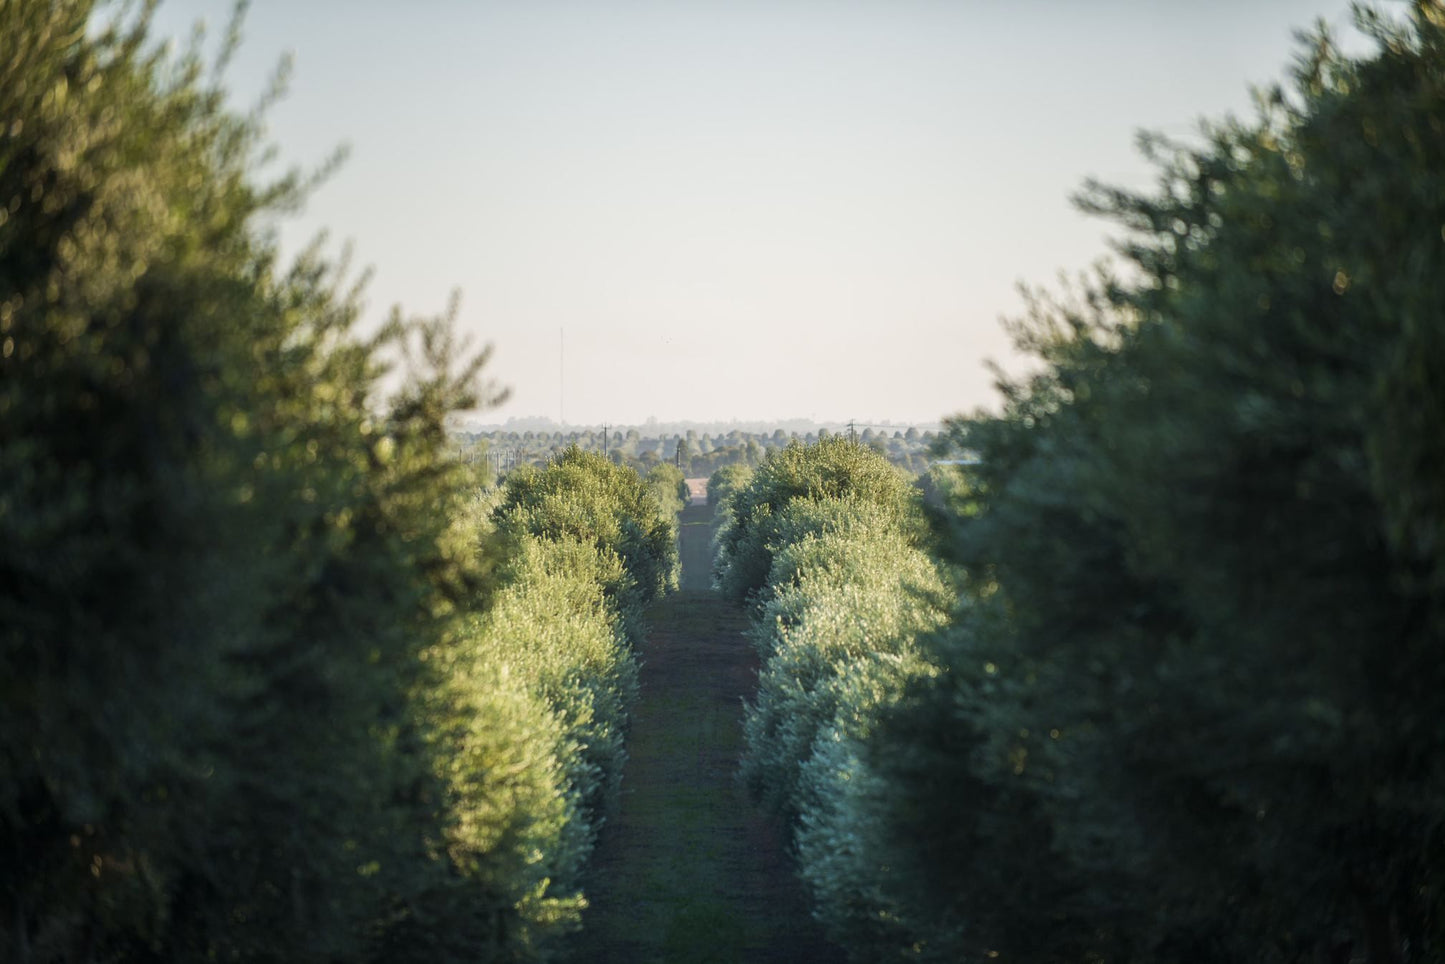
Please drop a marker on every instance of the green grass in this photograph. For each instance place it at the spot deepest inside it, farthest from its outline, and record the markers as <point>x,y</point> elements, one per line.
<point>688,870</point>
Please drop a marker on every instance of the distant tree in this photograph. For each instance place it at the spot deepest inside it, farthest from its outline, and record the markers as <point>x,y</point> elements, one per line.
<point>753,452</point>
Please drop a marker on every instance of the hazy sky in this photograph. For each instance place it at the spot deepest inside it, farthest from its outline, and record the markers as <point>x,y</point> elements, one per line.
<point>737,209</point>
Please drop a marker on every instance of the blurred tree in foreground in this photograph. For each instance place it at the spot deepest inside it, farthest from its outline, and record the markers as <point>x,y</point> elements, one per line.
<point>224,563</point>
<point>1193,710</point>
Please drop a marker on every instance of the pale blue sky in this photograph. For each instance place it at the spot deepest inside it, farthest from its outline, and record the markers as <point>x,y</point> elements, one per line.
<point>737,210</point>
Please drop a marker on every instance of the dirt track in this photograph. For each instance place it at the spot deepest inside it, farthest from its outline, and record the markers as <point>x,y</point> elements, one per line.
<point>688,871</point>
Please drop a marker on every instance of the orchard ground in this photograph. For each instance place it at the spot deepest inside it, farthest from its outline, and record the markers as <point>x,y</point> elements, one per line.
<point>687,869</point>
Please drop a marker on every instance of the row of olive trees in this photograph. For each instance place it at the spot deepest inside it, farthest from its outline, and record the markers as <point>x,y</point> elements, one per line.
<point>824,543</point>
<point>267,690</point>
<point>585,497</point>
<point>725,481</point>
<point>1190,707</point>
<point>531,703</point>
<point>670,488</point>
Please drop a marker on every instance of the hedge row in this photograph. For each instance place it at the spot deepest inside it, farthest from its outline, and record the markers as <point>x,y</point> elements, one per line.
<point>669,488</point>
<point>534,693</point>
<point>846,594</point>
<point>830,469</point>
<point>726,480</point>
<point>584,496</point>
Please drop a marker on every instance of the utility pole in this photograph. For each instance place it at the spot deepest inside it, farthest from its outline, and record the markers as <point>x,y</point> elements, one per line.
<point>605,434</point>
<point>852,435</point>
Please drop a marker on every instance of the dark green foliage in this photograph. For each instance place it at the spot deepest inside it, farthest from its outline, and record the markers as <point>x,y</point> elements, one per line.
<point>1192,709</point>
<point>185,546</point>
<point>234,585</point>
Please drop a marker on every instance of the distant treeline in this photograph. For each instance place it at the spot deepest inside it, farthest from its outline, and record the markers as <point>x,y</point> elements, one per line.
<point>655,428</point>
<point>696,454</point>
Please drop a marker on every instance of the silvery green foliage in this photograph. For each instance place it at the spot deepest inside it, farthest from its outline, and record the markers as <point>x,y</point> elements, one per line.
<point>846,858</point>
<point>554,625</point>
<point>584,496</point>
<point>853,595</point>
<point>669,489</point>
<point>831,469</point>
<point>847,595</point>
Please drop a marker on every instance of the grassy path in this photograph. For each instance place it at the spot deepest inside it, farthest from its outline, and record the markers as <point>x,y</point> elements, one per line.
<point>687,871</point>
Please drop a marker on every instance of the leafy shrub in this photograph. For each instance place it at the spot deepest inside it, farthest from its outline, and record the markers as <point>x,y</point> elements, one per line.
<point>848,603</point>
<point>512,837</point>
<point>844,849</point>
<point>847,595</point>
<point>553,626</point>
<point>583,496</point>
<point>529,717</point>
<point>727,480</point>
<point>669,488</point>
<point>832,468</point>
